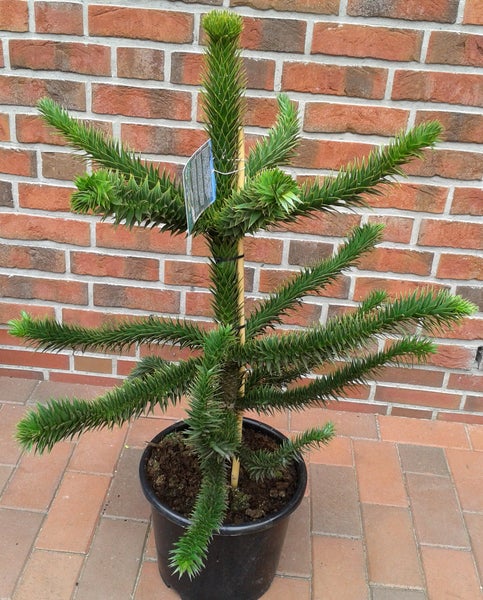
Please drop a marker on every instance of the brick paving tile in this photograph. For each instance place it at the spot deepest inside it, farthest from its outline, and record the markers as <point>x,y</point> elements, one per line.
<point>150,585</point>
<point>288,589</point>
<point>392,554</point>
<point>391,593</point>
<point>144,430</point>
<point>5,473</point>
<point>150,548</point>
<point>125,498</point>
<point>423,459</point>
<point>296,556</point>
<point>16,390</point>
<point>346,423</point>
<point>475,433</point>
<point>113,561</point>
<point>423,432</point>
<point>98,451</point>
<point>46,390</point>
<point>10,451</point>
<point>335,508</point>
<point>474,523</point>
<point>36,478</point>
<point>73,515</point>
<point>19,529</point>
<point>467,471</point>
<point>338,452</point>
<point>339,571</point>
<point>378,473</point>
<point>450,574</point>
<point>49,576</point>
<point>434,503</point>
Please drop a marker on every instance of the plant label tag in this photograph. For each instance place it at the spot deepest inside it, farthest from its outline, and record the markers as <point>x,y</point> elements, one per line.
<point>199,183</point>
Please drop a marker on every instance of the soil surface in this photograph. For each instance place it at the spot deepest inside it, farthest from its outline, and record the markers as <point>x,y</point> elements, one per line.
<point>175,476</point>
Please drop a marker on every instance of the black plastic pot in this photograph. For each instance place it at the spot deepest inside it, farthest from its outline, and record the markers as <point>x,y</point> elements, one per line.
<point>242,559</point>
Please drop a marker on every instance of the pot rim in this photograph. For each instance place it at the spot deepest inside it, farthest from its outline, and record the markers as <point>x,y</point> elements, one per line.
<point>227,530</point>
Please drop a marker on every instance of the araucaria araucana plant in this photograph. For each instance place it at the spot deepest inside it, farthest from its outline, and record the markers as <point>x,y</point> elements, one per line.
<point>237,365</point>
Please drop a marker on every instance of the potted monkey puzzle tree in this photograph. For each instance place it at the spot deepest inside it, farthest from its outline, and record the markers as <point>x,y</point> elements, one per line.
<point>238,365</point>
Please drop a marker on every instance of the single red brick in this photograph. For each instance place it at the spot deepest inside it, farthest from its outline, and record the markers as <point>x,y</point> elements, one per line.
<point>32,129</point>
<point>44,197</point>
<point>412,413</point>
<point>395,260</point>
<point>473,14</point>
<point>412,376</point>
<point>141,23</point>
<point>29,227</point>
<point>469,329</point>
<point>18,162</point>
<point>367,42</point>
<point>411,196</point>
<point>452,357</point>
<point>306,253</point>
<point>89,59</point>
<point>460,417</point>
<point>475,404</point>
<point>451,164</point>
<point>452,234</point>
<point>394,287</point>
<point>4,128</point>
<point>432,86</point>
<point>14,15</point>
<point>152,300</point>
<point>460,266</point>
<point>186,68</point>
<point>261,112</point>
<point>12,310</point>
<point>140,63</point>
<point>59,17</point>
<point>399,395</point>
<point>396,229</point>
<point>455,48</point>
<point>442,11</point>
<point>458,126</point>
<point>273,35</point>
<point>327,224</point>
<point>26,91</point>
<point>467,201</point>
<point>260,73</point>
<point>30,257</point>
<point>263,250</point>
<point>329,154</point>
<point>199,304</point>
<point>179,272</point>
<point>56,290</point>
<point>139,238</point>
<point>140,102</point>
<point>361,82</point>
<point>62,165</point>
<point>321,7</point>
<point>330,117</point>
<point>34,359</point>
<point>101,265</point>
<point>473,293</point>
<point>162,140</point>
<point>473,383</point>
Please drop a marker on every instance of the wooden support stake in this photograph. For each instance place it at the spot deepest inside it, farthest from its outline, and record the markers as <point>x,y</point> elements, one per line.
<point>240,267</point>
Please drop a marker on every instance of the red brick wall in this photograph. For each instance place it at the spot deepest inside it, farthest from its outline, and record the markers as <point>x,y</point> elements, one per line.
<point>360,70</point>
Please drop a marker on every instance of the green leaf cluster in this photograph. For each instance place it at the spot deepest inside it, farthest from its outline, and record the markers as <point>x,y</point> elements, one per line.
<point>353,347</point>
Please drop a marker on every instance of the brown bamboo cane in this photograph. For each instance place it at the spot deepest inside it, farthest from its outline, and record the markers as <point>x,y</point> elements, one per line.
<point>235,467</point>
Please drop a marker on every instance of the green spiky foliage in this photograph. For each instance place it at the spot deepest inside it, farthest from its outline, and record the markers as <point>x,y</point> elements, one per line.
<point>123,188</point>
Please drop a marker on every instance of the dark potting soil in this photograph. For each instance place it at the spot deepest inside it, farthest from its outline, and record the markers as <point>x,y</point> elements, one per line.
<point>175,476</point>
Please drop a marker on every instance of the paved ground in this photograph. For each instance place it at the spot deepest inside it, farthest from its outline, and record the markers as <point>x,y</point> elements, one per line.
<point>394,511</point>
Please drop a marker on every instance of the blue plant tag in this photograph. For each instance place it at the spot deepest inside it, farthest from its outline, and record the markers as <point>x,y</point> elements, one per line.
<point>199,183</point>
